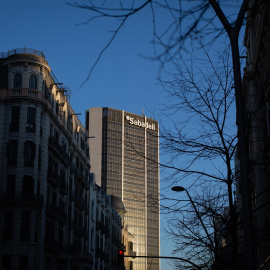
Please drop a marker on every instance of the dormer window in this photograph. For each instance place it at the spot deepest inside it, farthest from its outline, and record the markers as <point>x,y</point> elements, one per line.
<point>17,83</point>
<point>33,82</point>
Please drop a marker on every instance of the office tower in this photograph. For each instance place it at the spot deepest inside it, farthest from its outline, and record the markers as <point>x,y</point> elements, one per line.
<point>124,158</point>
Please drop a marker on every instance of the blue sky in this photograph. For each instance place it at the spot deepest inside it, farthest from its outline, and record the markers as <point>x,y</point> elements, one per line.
<point>121,80</point>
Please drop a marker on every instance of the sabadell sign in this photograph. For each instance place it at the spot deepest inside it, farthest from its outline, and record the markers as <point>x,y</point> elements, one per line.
<point>135,122</point>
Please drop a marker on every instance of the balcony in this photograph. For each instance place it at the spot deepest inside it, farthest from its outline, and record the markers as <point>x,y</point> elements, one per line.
<point>53,178</point>
<point>23,92</point>
<point>52,210</point>
<point>72,166</point>
<point>52,244</point>
<point>56,212</point>
<point>21,198</point>
<point>30,128</point>
<point>83,256</point>
<point>59,150</point>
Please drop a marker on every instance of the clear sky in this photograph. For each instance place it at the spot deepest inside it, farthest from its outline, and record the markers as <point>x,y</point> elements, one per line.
<point>121,80</point>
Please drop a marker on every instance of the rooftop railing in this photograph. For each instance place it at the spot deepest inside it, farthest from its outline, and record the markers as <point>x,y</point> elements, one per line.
<point>22,51</point>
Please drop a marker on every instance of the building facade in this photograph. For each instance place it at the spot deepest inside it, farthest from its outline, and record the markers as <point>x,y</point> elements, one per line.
<point>108,231</point>
<point>48,202</point>
<point>256,87</point>
<point>125,156</point>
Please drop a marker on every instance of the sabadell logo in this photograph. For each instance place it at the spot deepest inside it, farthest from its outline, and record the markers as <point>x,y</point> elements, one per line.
<point>134,122</point>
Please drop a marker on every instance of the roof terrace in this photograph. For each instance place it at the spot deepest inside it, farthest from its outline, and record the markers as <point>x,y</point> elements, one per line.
<point>22,51</point>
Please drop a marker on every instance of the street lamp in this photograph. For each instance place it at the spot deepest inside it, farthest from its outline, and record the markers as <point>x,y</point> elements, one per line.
<point>180,189</point>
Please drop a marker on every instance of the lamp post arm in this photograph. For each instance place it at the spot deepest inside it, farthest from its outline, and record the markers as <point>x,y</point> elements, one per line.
<point>166,257</point>
<point>199,217</point>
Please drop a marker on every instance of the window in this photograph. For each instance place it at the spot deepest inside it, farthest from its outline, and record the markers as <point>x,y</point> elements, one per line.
<point>52,100</point>
<point>41,123</point>
<point>92,209</point>
<point>23,262</point>
<point>11,181</point>
<point>130,246</point>
<point>60,237</point>
<point>25,226</point>
<point>54,196</point>
<point>56,136</point>
<point>8,226</point>
<point>33,82</point>
<point>15,119</point>
<point>57,107</point>
<point>12,150</point>
<point>6,262</point>
<point>17,83</point>
<point>31,120</point>
<point>39,157</point>
<point>51,130</point>
<point>82,144</point>
<point>29,153</point>
<point>45,91</point>
<point>28,188</point>
<point>43,88</point>
<point>38,187</point>
<point>92,239</point>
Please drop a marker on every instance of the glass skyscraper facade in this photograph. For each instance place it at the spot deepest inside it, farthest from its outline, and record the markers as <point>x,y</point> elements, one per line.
<point>124,157</point>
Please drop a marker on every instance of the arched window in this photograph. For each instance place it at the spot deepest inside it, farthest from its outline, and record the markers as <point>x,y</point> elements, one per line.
<point>17,83</point>
<point>92,209</point>
<point>33,82</point>
<point>92,239</point>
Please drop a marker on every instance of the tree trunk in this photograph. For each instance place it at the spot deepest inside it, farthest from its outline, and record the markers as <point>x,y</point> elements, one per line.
<point>243,153</point>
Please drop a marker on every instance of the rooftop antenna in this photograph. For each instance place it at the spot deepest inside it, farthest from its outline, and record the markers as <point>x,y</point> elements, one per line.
<point>143,112</point>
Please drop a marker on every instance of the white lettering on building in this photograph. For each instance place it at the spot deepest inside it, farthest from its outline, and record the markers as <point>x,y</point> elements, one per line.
<point>135,122</point>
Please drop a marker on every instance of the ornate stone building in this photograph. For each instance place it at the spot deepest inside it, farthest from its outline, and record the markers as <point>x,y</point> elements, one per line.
<point>48,202</point>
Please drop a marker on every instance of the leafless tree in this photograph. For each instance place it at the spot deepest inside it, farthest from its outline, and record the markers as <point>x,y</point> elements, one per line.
<point>191,20</point>
<point>185,21</point>
<point>201,141</point>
